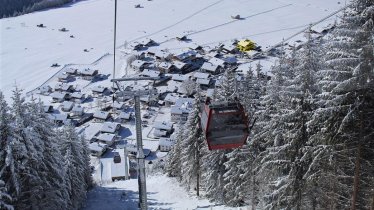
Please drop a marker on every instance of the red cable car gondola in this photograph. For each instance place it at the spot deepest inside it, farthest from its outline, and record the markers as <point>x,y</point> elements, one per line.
<point>225,124</point>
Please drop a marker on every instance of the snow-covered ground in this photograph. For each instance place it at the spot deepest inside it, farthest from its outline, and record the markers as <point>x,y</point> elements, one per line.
<point>27,51</point>
<point>162,193</point>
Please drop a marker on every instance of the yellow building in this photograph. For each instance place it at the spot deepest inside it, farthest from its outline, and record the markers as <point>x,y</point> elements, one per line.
<point>246,45</point>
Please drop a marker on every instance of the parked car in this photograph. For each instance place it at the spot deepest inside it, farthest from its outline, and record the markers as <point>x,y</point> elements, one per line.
<point>116,158</point>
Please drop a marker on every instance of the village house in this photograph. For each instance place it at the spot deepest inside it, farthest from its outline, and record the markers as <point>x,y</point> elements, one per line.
<point>139,65</point>
<point>203,82</point>
<point>100,91</point>
<point>150,73</point>
<point>200,75</point>
<point>185,56</point>
<point>97,149</point>
<point>118,106</point>
<point>147,42</point>
<point>64,77</point>
<point>110,127</point>
<point>159,133</point>
<point>165,67</point>
<point>71,71</point>
<point>179,112</point>
<point>77,97</point>
<point>88,74</point>
<point>162,56</point>
<point>77,111</point>
<point>170,99</point>
<point>229,49</point>
<point>135,46</point>
<point>165,144</point>
<point>163,126</point>
<point>124,116</point>
<point>48,108</point>
<point>101,116</point>
<point>210,68</point>
<point>181,66</point>
<point>59,96</point>
<point>67,106</point>
<point>64,87</point>
<point>59,119</point>
<point>180,77</point>
<point>107,138</point>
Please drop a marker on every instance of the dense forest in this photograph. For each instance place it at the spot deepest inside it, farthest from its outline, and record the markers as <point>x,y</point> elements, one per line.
<point>41,166</point>
<point>312,146</point>
<point>11,8</point>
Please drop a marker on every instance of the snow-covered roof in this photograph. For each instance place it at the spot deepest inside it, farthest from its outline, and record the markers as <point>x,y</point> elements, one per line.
<point>77,95</point>
<point>159,133</point>
<point>167,89</point>
<point>150,73</point>
<point>63,86</point>
<point>201,75</point>
<point>138,63</point>
<point>59,95</point>
<point>179,64</point>
<point>168,126</point>
<point>99,89</point>
<point>180,77</point>
<point>182,106</point>
<point>216,61</point>
<point>185,55</point>
<point>166,142</point>
<point>63,75</point>
<point>161,54</point>
<point>124,115</point>
<point>101,115</point>
<point>77,108</point>
<point>44,88</point>
<point>67,105</point>
<point>229,47</point>
<point>107,137</point>
<point>171,98</point>
<point>88,72</point>
<point>110,127</point>
<point>165,65</point>
<point>231,59</point>
<point>201,81</point>
<point>71,71</point>
<point>97,146</point>
<point>47,108</point>
<point>118,105</point>
<point>58,117</point>
<point>209,67</point>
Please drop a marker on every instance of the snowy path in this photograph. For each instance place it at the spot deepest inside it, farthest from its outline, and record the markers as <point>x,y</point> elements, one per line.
<point>163,193</point>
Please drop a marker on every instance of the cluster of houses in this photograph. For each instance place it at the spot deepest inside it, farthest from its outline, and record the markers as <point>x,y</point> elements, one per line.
<point>180,73</point>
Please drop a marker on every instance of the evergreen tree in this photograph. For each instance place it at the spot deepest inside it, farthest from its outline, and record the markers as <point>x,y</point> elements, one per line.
<point>192,143</point>
<point>174,164</point>
<point>5,198</point>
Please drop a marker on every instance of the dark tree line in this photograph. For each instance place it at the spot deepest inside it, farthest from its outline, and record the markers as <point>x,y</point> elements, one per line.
<point>11,8</point>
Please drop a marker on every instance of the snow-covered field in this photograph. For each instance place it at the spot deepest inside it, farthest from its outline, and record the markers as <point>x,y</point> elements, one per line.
<point>27,51</point>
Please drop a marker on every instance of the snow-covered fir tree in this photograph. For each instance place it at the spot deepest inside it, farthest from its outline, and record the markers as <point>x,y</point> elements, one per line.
<point>174,164</point>
<point>5,198</point>
<point>74,166</point>
<point>191,145</point>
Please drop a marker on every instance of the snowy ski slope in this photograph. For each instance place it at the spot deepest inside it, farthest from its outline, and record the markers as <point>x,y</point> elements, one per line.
<point>27,52</point>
